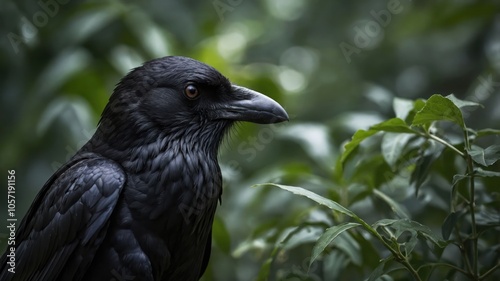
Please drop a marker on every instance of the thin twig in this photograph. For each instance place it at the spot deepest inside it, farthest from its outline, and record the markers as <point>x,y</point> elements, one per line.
<point>446,265</point>
<point>440,140</point>
<point>487,273</point>
<point>472,203</point>
<point>461,247</point>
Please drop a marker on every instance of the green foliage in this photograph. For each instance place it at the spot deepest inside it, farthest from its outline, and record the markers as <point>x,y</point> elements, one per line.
<point>401,242</point>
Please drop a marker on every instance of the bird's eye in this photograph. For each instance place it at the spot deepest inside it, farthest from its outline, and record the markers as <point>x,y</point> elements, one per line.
<point>191,92</point>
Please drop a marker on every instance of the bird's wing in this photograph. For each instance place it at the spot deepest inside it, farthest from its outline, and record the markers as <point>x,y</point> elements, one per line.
<point>206,254</point>
<point>67,222</point>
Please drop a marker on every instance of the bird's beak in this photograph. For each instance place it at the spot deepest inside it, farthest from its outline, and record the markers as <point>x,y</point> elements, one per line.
<point>251,106</point>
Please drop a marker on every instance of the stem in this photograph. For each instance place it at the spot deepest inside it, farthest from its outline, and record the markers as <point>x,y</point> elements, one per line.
<point>440,140</point>
<point>398,257</point>
<point>487,273</point>
<point>461,247</point>
<point>472,206</point>
<point>446,265</point>
<point>413,272</point>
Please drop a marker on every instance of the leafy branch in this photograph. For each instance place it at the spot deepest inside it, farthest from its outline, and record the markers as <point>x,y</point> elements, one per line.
<point>400,236</point>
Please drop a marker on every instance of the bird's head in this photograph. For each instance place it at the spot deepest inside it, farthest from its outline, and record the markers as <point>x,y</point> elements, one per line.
<point>181,96</point>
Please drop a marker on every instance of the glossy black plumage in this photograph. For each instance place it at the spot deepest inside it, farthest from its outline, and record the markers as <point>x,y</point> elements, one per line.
<point>137,201</point>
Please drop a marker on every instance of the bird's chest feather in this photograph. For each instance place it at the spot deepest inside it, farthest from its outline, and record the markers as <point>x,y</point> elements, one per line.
<point>175,190</point>
<point>164,215</point>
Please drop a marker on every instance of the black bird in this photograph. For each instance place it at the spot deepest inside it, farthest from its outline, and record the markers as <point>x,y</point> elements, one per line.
<point>137,201</point>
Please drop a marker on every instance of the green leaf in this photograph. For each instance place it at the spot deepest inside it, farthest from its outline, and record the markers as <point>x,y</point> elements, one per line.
<point>266,266</point>
<point>438,108</point>
<point>485,173</point>
<point>327,237</point>
<point>487,132</point>
<point>410,244</point>
<point>485,157</point>
<point>396,207</point>
<point>264,270</point>
<point>313,196</point>
<point>424,164</point>
<point>221,235</point>
<point>424,231</point>
<point>379,174</point>
<point>418,104</point>
<point>449,224</point>
<point>406,225</point>
<point>457,178</point>
<point>489,217</point>
<point>463,103</point>
<point>350,246</point>
<point>397,227</point>
<point>247,246</point>
<point>383,222</point>
<point>393,146</point>
<point>394,125</point>
<point>358,137</point>
<point>333,264</point>
<point>402,107</point>
<point>379,270</point>
<point>299,235</point>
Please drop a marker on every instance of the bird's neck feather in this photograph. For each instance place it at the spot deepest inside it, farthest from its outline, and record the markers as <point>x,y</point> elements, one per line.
<point>141,147</point>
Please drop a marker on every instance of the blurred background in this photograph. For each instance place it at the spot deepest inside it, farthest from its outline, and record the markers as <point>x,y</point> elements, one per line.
<point>334,65</point>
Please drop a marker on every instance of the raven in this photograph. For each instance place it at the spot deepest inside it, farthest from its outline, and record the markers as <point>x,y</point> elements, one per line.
<point>137,201</point>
